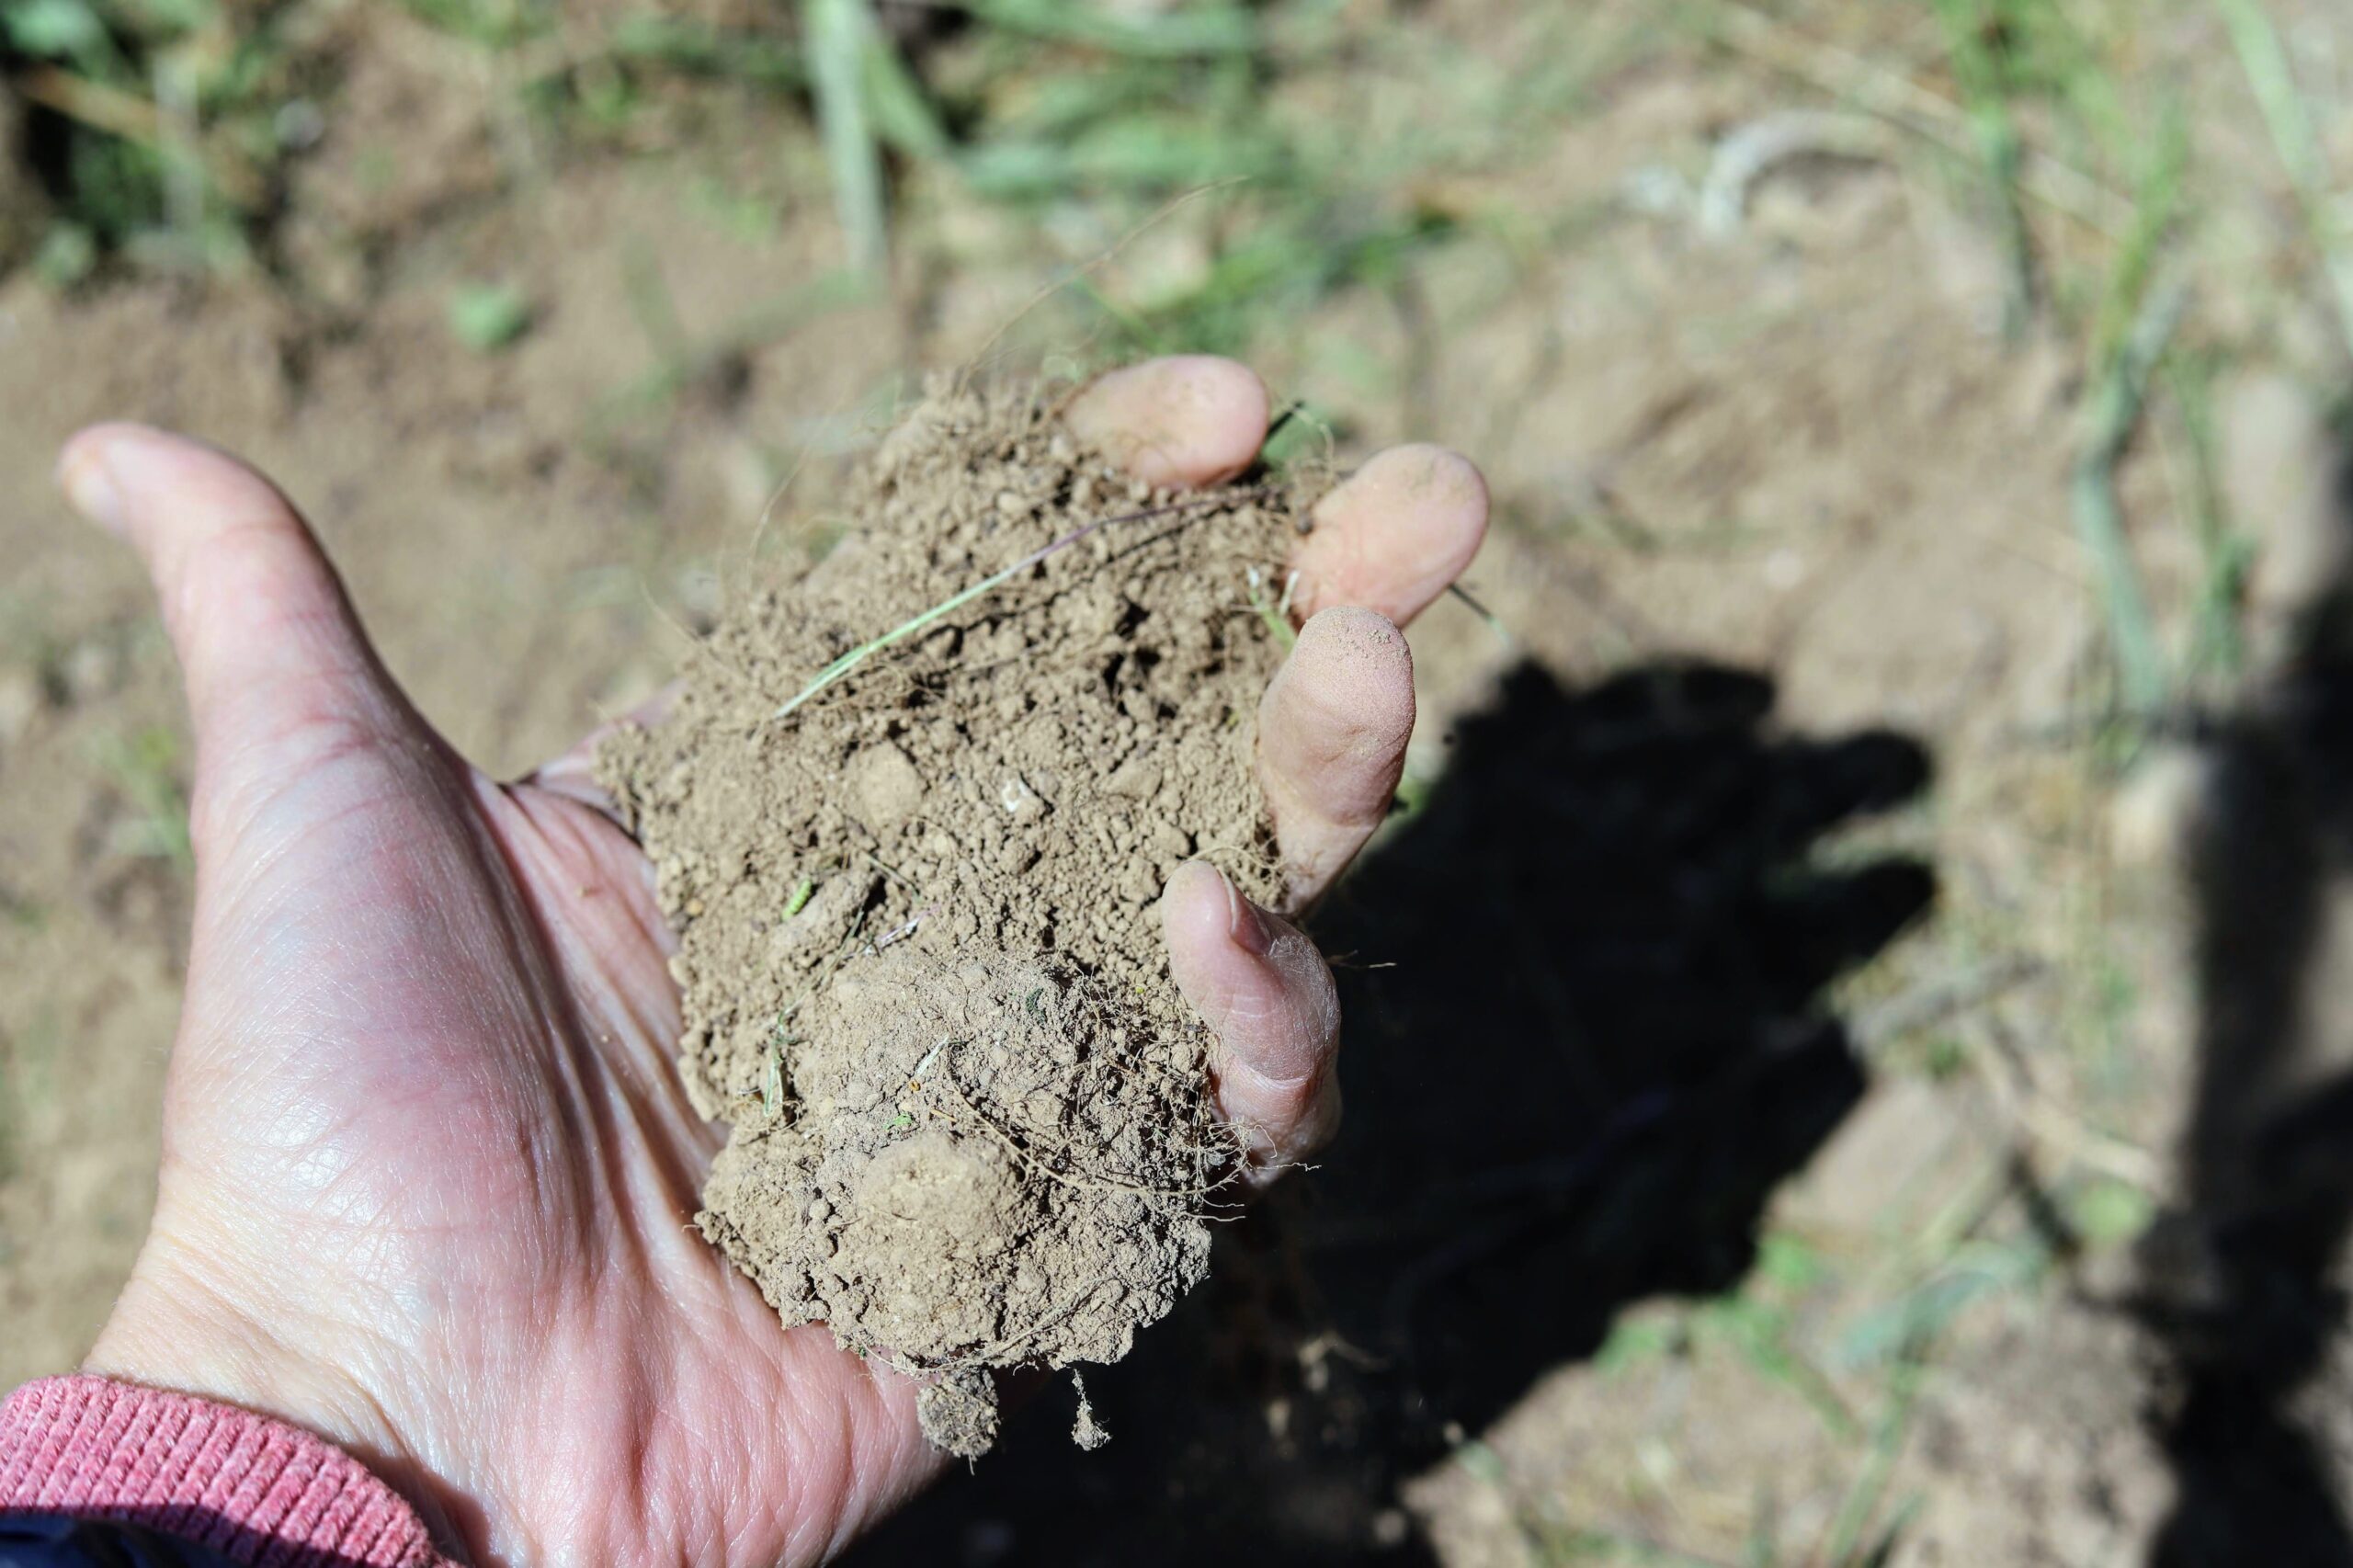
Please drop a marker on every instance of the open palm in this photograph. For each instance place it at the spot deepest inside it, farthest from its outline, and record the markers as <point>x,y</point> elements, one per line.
<point>428,1173</point>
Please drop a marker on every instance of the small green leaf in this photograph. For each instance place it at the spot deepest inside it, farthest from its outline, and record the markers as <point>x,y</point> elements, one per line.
<point>2108,1212</point>
<point>487,317</point>
<point>1633,1340</point>
<point>772,1083</point>
<point>1787,1260</point>
<point>1483,1462</point>
<point>54,30</point>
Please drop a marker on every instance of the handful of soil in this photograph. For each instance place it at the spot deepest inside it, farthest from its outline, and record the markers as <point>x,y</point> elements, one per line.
<point>924,974</point>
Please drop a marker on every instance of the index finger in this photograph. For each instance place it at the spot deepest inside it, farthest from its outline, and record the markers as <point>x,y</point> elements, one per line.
<point>1393,534</point>
<point>1185,421</point>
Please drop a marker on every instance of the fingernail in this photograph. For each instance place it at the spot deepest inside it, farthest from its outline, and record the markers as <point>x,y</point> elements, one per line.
<point>89,488</point>
<point>1243,921</point>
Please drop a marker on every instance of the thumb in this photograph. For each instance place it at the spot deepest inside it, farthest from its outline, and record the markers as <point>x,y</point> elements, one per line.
<point>1268,996</point>
<point>277,672</point>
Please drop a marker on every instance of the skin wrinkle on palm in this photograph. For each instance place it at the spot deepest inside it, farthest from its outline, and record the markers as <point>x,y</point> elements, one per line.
<point>487,964</point>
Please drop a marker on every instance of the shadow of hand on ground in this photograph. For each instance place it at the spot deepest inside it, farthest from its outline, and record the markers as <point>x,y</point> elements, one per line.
<point>2243,1284</point>
<point>1585,1042</point>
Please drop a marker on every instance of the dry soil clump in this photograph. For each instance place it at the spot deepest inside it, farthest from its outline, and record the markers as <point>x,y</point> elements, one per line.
<point>923,969</point>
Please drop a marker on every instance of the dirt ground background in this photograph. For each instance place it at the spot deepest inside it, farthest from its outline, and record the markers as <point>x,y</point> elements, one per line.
<point>1846,1025</point>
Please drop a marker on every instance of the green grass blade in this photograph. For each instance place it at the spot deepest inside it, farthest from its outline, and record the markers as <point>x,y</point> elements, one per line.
<point>902,111</point>
<point>2157,209</point>
<point>1213,29</point>
<point>2264,60</point>
<point>701,49</point>
<point>2112,416</point>
<point>907,629</point>
<point>838,31</point>
<point>1995,131</point>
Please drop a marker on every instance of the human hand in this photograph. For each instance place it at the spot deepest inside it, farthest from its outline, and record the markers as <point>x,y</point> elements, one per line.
<point>427,1171</point>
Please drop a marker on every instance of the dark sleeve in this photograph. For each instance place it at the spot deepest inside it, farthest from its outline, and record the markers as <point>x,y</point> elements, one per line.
<point>55,1540</point>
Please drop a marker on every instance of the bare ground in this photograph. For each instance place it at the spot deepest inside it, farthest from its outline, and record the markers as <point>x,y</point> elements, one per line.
<point>1780,1219</point>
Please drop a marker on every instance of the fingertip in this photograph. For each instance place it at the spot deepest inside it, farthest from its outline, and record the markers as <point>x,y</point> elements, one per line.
<point>267,638</point>
<point>1395,532</point>
<point>1185,420</point>
<point>1352,670</point>
<point>1197,918</point>
<point>1259,980</point>
<point>1198,910</point>
<point>127,478</point>
<point>1268,995</point>
<point>1355,634</point>
<point>85,472</point>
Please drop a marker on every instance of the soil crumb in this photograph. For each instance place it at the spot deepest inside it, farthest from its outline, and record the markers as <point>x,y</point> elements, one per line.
<point>923,976</point>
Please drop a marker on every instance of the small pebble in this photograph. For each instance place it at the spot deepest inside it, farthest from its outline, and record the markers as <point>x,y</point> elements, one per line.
<point>1020,801</point>
<point>1138,779</point>
<point>1139,884</point>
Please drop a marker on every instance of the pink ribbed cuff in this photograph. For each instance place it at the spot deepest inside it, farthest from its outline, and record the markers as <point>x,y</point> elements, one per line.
<point>254,1490</point>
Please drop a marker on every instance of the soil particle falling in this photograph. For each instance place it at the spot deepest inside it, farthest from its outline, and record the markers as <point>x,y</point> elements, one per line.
<point>923,969</point>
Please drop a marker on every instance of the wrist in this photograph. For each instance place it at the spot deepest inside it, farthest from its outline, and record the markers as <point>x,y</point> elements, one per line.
<point>171,1331</point>
<point>244,1487</point>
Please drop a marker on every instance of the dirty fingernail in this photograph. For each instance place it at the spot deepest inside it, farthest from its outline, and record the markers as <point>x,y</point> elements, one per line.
<point>1247,926</point>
